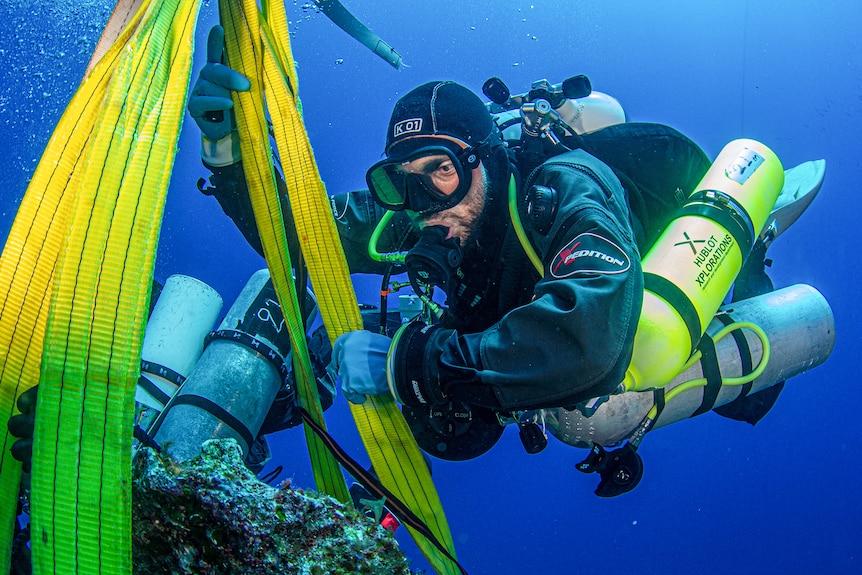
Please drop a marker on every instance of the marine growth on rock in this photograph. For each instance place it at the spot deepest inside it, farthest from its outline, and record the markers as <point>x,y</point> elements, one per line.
<point>211,515</point>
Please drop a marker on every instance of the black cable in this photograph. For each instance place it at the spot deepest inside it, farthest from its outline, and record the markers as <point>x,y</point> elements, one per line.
<point>384,299</point>
<point>272,475</point>
<point>376,489</point>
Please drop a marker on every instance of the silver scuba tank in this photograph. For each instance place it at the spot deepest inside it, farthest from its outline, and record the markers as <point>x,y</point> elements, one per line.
<point>245,363</point>
<point>185,312</point>
<point>800,329</point>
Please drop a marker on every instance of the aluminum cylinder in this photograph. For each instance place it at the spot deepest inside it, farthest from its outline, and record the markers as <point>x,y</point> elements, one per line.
<point>233,384</point>
<point>186,311</point>
<point>800,328</point>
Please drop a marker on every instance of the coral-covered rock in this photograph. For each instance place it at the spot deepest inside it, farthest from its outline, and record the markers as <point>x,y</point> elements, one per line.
<point>211,515</point>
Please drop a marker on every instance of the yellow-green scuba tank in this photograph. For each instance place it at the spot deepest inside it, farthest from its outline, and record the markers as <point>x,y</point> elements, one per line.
<point>690,268</point>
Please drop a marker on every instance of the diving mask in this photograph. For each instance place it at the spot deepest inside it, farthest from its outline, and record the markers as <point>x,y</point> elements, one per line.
<point>424,180</point>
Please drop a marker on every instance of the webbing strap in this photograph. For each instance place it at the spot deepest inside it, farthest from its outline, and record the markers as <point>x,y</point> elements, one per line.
<point>245,51</point>
<point>162,371</point>
<point>82,451</point>
<point>658,401</point>
<point>724,210</point>
<point>259,49</point>
<point>73,301</point>
<point>648,422</point>
<point>678,301</point>
<point>118,22</point>
<point>255,344</point>
<point>27,265</point>
<point>712,373</point>
<point>154,390</point>
<point>216,411</point>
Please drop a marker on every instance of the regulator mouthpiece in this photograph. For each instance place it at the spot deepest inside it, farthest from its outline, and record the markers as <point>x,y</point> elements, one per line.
<point>434,260</point>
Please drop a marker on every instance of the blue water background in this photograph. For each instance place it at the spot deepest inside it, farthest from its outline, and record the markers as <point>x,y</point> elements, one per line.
<point>717,496</point>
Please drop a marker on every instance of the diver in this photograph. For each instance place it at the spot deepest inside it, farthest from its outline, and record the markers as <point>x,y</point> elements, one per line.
<point>512,338</point>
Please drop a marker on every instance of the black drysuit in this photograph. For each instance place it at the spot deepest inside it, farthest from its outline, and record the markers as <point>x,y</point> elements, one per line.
<point>525,342</point>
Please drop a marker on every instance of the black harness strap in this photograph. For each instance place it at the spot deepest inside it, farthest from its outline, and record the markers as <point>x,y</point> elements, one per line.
<point>659,401</point>
<point>712,373</point>
<point>725,211</point>
<point>151,388</point>
<point>216,411</point>
<point>375,488</point>
<point>679,301</point>
<point>254,344</point>
<point>162,371</point>
<point>144,438</point>
<point>646,425</point>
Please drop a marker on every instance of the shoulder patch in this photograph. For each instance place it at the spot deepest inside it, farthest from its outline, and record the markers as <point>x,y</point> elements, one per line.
<point>590,254</point>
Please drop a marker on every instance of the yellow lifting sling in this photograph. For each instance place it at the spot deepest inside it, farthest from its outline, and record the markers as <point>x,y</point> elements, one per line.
<point>74,283</point>
<point>257,45</point>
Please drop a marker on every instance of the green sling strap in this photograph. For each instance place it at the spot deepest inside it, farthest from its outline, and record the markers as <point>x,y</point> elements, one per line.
<point>74,302</point>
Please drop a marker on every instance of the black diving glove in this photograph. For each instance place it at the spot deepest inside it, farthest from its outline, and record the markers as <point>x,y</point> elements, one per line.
<point>21,426</point>
<point>412,368</point>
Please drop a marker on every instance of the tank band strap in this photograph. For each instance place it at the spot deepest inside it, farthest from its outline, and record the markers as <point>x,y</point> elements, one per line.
<point>153,389</point>
<point>668,291</point>
<point>216,411</point>
<point>745,360</point>
<point>163,372</point>
<point>255,344</point>
<point>726,212</point>
<point>658,401</point>
<point>712,373</point>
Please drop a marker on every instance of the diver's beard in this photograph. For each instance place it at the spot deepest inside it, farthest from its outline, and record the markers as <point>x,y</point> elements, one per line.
<point>473,241</point>
<point>466,219</point>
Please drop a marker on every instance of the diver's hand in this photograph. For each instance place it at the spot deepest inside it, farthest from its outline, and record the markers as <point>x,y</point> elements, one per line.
<point>211,106</point>
<point>21,426</point>
<point>210,96</point>
<point>359,359</point>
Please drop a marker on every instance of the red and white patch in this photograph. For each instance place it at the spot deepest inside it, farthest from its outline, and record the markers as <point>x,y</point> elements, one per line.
<point>590,254</point>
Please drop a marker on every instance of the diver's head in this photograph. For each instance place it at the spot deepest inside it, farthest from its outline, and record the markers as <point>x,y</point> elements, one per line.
<point>439,141</point>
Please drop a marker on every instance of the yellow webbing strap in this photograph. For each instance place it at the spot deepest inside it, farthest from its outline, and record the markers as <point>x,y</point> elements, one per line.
<point>393,451</point>
<point>26,268</point>
<point>245,53</point>
<point>74,278</point>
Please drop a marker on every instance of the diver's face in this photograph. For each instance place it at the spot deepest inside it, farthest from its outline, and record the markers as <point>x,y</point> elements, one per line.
<point>463,218</point>
<point>437,172</point>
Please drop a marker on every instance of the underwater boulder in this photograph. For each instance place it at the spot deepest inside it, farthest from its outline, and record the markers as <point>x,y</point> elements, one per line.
<point>212,515</point>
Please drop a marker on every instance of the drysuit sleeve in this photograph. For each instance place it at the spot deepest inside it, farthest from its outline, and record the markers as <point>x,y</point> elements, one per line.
<point>574,340</point>
<point>356,215</point>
